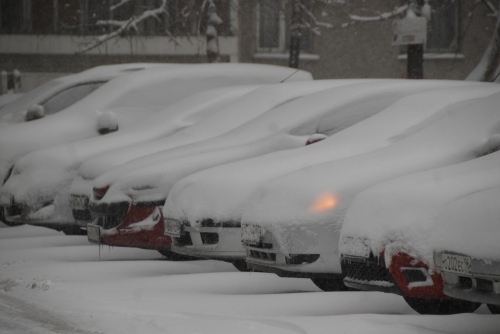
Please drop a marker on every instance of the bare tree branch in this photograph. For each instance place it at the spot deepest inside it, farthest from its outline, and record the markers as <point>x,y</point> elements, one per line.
<point>124,26</point>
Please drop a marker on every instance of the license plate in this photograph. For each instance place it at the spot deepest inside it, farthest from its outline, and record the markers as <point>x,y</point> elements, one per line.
<point>78,202</point>
<point>456,264</point>
<point>172,227</point>
<point>94,234</point>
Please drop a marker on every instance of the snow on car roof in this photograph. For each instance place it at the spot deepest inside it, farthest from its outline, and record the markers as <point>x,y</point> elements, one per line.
<point>220,193</point>
<point>240,111</point>
<point>42,92</point>
<point>282,128</point>
<point>401,215</point>
<point>261,103</point>
<point>320,195</point>
<point>131,97</point>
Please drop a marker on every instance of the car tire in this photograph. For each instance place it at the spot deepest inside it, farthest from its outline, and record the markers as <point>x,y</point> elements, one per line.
<point>331,284</point>
<point>494,309</point>
<point>171,256</point>
<point>241,265</point>
<point>441,306</point>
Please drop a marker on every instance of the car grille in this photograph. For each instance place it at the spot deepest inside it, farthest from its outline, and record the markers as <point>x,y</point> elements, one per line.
<point>209,238</point>
<point>262,255</point>
<point>13,210</point>
<point>365,269</point>
<point>107,221</point>
<point>83,215</point>
<point>184,239</point>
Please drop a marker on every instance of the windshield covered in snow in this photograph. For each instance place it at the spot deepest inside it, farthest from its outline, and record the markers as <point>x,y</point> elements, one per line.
<point>69,96</point>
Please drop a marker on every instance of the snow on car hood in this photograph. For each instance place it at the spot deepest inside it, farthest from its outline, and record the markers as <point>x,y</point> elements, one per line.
<point>319,196</point>
<point>130,97</point>
<point>220,193</point>
<point>470,224</point>
<point>401,215</point>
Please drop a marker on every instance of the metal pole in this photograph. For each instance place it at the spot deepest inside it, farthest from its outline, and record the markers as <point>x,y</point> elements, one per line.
<point>415,62</point>
<point>293,61</point>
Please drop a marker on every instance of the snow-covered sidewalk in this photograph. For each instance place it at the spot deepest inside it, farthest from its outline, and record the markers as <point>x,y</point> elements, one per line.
<point>53,283</point>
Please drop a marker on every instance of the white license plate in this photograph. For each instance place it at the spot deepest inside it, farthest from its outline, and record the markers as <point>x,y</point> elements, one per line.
<point>78,202</point>
<point>94,234</point>
<point>456,264</point>
<point>172,227</point>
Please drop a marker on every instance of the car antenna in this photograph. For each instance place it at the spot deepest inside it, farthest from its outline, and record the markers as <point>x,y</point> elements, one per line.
<point>296,71</point>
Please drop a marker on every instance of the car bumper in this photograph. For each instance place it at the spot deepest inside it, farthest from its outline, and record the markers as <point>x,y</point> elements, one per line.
<point>481,285</point>
<point>142,227</point>
<point>220,243</point>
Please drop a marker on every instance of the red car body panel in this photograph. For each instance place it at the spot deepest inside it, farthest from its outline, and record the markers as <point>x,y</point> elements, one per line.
<point>147,236</point>
<point>431,291</point>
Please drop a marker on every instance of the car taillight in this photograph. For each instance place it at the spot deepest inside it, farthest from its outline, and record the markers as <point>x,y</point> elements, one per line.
<point>100,192</point>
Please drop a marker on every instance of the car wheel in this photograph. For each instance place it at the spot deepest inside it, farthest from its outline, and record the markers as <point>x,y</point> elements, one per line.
<point>171,256</point>
<point>241,265</point>
<point>494,309</point>
<point>331,284</point>
<point>441,306</point>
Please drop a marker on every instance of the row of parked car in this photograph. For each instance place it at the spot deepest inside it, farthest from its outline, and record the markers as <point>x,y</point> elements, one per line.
<point>386,185</point>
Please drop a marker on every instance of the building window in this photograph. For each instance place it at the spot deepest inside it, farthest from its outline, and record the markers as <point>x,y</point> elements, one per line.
<point>442,30</point>
<point>273,26</point>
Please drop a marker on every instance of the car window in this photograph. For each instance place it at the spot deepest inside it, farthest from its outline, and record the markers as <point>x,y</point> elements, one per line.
<point>69,96</point>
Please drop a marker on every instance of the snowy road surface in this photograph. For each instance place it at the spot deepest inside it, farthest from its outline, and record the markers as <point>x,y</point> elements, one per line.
<point>53,283</point>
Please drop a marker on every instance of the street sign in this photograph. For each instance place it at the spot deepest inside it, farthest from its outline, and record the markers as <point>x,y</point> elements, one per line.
<point>409,31</point>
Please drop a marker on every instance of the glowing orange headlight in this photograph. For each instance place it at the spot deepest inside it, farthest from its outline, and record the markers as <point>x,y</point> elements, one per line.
<point>324,202</point>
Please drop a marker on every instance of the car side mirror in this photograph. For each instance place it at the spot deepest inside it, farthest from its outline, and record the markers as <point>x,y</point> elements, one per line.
<point>36,111</point>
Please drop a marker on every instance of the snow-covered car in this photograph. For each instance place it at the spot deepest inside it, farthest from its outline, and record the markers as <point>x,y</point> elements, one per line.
<point>211,201</point>
<point>233,115</point>
<point>387,236</point>
<point>291,226</point>
<point>127,194</point>
<point>46,198</point>
<point>466,248</point>
<point>128,98</point>
<point>25,124</point>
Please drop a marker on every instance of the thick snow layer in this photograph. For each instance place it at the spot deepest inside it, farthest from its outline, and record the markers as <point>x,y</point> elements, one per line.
<point>52,283</point>
<point>312,202</point>
<point>131,97</point>
<point>59,164</point>
<point>218,122</point>
<point>220,193</point>
<point>283,128</point>
<point>16,109</point>
<point>401,215</point>
<point>470,224</point>
<point>259,135</point>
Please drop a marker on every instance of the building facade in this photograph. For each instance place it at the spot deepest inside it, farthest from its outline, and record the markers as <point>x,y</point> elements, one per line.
<point>43,39</point>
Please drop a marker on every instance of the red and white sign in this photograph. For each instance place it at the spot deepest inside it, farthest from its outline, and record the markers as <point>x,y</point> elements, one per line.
<point>409,31</point>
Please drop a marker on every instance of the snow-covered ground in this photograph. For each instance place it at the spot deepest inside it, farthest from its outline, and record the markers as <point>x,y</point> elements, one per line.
<point>53,283</point>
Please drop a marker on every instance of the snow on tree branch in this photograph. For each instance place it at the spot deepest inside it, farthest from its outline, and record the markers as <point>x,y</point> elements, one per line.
<point>118,5</point>
<point>124,26</point>
<point>384,16</point>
